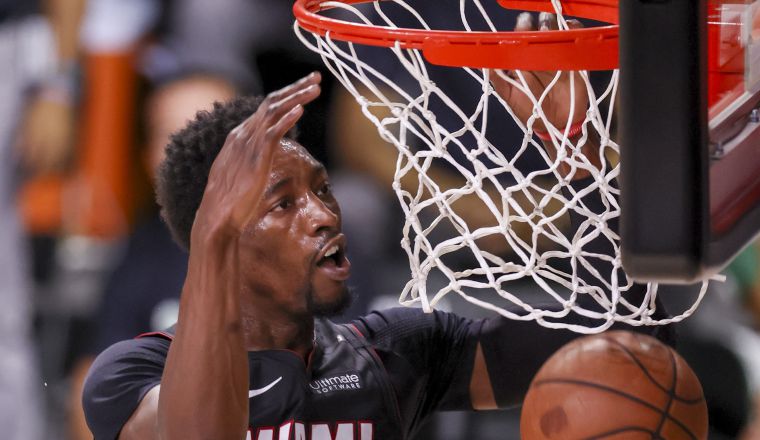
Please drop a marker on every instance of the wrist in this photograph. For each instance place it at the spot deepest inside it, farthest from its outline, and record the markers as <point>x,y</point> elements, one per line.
<point>588,149</point>
<point>212,232</point>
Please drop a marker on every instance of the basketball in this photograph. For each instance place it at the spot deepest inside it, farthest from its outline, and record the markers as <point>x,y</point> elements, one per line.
<point>619,385</point>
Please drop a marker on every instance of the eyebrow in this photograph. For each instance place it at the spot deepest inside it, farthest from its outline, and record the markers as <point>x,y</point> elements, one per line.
<point>276,186</point>
<point>317,168</point>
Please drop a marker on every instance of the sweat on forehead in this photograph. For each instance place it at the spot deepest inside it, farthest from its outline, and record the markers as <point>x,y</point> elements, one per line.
<point>288,155</point>
<point>292,148</point>
<point>293,167</point>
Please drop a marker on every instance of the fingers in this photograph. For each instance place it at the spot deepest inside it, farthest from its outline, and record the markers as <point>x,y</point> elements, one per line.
<point>305,82</point>
<point>254,133</point>
<point>285,123</point>
<point>274,107</point>
<point>279,103</point>
<point>547,22</point>
<point>501,85</point>
<point>574,24</point>
<point>282,109</point>
<point>525,22</point>
<point>297,97</point>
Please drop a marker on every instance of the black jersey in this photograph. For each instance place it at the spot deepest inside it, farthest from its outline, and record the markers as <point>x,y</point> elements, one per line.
<point>378,377</point>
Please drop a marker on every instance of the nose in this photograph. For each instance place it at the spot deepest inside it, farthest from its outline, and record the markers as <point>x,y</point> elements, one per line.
<point>319,215</point>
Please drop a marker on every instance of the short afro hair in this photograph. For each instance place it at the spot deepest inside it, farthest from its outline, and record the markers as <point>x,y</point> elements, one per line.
<point>191,151</point>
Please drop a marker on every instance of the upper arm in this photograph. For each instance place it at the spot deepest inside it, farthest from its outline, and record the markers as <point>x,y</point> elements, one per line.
<point>143,424</point>
<point>512,353</point>
<point>118,384</point>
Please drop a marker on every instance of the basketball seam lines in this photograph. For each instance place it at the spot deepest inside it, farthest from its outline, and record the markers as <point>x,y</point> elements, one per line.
<point>637,361</point>
<point>671,392</point>
<point>648,374</point>
<point>620,393</point>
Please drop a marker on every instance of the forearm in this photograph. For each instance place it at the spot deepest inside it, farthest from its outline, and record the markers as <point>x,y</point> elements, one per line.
<point>513,352</point>
<point>204,385</point>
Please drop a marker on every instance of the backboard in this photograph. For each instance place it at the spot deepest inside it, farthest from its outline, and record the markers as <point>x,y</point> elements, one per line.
<point>689,135</point>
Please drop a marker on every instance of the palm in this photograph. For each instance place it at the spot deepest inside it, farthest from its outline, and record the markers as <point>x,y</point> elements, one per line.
<point>238,177</point>
<point>566,101</point>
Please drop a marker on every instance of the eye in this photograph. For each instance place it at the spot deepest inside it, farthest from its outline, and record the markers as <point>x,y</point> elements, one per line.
<point>282,204</point>
<point>325,189</point>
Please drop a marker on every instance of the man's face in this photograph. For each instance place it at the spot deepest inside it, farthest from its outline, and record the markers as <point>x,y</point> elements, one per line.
<point>294,255</point>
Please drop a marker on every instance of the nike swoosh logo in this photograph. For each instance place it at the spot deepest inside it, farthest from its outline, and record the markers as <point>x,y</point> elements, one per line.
<point>258,391</point>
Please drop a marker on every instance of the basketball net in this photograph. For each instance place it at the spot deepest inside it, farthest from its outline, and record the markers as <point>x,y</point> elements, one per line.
<point>436,237</point>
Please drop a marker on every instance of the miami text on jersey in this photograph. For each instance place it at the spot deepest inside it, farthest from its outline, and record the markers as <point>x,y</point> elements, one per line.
<point>313,431</point>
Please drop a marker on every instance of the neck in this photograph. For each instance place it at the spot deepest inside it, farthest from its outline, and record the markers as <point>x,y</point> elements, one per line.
<point>268,330</point>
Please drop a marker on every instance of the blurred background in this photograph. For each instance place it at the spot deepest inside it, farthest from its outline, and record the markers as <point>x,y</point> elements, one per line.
<point>91,91</point>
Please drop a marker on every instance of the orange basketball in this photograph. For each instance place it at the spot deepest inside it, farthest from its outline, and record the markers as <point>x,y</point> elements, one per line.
<point>618,386</point>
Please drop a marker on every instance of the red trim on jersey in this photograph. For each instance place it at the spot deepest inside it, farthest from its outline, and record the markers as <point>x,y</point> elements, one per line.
<point>333,427</point>
<point>164,335</point>
<point>170,337</point>
<point>358,331</point>
<point>379,361</point>
<point>291,428</point>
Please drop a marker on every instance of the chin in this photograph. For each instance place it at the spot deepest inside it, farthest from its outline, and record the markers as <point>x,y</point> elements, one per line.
<point>330,307</point>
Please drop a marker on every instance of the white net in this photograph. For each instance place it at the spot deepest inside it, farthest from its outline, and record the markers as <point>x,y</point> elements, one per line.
<point>518,210</point>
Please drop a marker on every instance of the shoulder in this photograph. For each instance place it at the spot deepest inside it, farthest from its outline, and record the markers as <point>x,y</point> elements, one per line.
<point>149,346</point>
<point>407,322</point>
<point>126,360</point>
<point>119,379</point>
<point>397,319</point>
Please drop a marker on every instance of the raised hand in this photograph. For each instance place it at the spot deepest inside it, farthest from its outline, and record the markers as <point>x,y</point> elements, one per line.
<point>557,105</point>
<point>240,172</point>
<point>205,381</point>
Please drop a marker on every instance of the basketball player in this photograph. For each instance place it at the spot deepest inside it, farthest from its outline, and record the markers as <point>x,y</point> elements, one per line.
<point>252,351</point>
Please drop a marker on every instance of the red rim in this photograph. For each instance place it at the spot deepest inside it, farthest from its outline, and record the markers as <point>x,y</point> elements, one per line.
<point>578,49</point>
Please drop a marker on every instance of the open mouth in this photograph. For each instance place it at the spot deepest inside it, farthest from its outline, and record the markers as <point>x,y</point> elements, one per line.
<point>333,258</point>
